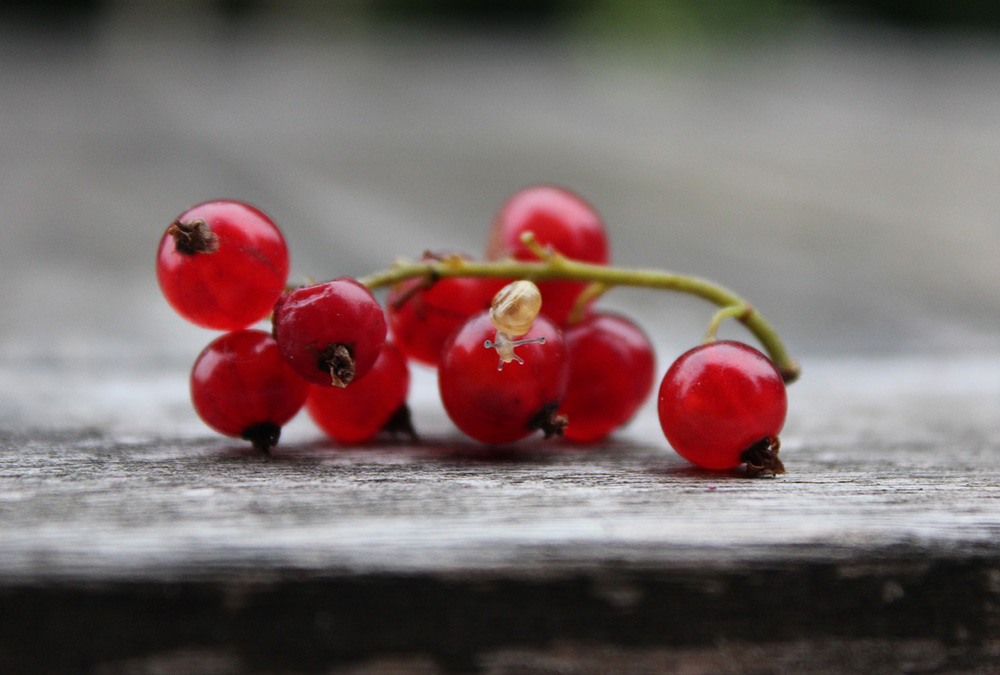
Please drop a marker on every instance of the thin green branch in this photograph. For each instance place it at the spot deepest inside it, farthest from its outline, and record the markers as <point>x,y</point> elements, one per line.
<point>589,293</point>
<point>559,268</point>
<point>723,314</point>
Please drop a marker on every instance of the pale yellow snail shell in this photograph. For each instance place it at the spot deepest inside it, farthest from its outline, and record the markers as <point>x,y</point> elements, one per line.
<point>516,307</point>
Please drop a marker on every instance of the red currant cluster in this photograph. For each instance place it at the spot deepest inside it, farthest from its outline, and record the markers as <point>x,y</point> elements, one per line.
<point>577,371</point>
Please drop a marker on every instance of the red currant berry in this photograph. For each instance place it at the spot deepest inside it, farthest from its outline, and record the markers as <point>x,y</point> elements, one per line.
<point>723,404</point>
<point>330,333</point>
<point>423,314</point>
<point>374,404</point>
<point>499,406</point>
<point>560,219</point>
<point>611,373</point>
<point>241,387</point>
<point>222,264</point>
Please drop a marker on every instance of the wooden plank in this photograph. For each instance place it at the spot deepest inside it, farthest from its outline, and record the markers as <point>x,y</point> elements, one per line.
<point>126,549</point>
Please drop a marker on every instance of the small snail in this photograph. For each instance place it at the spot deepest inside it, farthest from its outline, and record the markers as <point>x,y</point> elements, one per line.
<point>515,307</point>
<point>512,312</point>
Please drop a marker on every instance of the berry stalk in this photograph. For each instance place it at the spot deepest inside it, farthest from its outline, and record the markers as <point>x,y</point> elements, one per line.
<point>556,267</point>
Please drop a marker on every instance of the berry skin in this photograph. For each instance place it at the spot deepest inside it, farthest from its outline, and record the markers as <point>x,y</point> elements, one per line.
<point>330,333</point>
<point>560,219</point>
<point>241,387</point>
<point>222,264</point>
<point>501,406</point>
<point>611,374</point>
<point>722,404</point>
<point>358,413</point>
<point>422,317</point>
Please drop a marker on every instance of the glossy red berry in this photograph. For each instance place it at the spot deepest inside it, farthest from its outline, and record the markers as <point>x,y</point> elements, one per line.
<point>241,387</point>
<point>330,333</point>
<point>371,405</point>
<point>723,404</point>
<point>422,314</point>
<point>504,405</point>
<point>611,374</point>
<point>222,264</point>
<point>560,219</point>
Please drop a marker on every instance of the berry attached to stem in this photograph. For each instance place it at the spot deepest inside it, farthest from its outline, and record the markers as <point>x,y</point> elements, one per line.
<point>562,224</point>
<point>330,333</point>
<point>723,404</point>
<point>241,387</point>
<point>611,365</point>
<point>222,264</point>
<point>499,407</point>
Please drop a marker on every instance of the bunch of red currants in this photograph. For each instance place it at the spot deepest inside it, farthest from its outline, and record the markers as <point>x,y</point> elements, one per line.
<point>515,353</point>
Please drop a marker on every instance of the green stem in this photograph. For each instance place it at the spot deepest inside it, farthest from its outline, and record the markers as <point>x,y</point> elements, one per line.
<point>589,293</point>
<point>560,268</point>
<point>722,315</point>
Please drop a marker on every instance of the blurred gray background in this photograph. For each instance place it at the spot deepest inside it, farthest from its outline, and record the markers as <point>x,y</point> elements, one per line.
<point>836,163</point>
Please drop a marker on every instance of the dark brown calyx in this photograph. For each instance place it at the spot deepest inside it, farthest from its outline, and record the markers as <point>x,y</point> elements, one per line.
<point>263,436</point>
<point>549,421</point>
<point>337,360</point>
<point>193,237</point>
<point>401,422</point>
<point>762,458</point>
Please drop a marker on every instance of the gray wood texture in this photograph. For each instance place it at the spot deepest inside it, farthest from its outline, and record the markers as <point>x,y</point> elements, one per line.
<point>845,182</point>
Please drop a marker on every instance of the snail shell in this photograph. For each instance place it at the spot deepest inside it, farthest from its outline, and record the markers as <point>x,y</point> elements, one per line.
<point>515,308</point>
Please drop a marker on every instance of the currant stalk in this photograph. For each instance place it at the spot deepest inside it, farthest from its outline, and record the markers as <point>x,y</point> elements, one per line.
<point>555,267</point>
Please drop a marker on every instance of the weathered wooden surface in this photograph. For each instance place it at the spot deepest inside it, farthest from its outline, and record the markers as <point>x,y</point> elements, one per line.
<point>138,543</point>
<point>894,464</point>
<point>846,185</point>
<point>131,546</point>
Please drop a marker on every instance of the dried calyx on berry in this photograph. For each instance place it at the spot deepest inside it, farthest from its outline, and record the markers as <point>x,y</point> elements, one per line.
<point>513,311</point>
<point>761,458</point>
<point>336,360</point>
<point>191,237</point>
<point>263,436</point>
<point>549,421</point>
